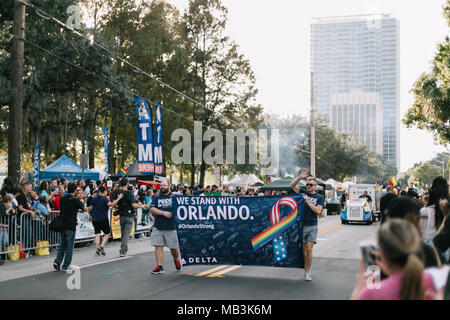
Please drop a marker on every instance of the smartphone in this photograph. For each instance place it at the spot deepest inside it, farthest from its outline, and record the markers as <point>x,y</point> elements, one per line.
<point>367,247</point>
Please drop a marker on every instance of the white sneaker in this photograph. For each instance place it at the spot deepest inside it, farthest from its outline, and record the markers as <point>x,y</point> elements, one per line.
<point>308,276</point>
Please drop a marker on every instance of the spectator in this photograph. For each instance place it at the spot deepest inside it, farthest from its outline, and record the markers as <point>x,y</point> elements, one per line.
<point>399,242</point>
<point>6,210</point>
<point>58,197</point>
<point>385,201</point>
<point>405,208</point>
<point>432,216</point>
<point>69,211</point>
<point>26,213</point>
<point>442,239</point>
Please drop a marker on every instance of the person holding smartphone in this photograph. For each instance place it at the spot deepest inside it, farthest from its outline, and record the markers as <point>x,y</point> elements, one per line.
<point>313,208</point>
<point>399,242</point>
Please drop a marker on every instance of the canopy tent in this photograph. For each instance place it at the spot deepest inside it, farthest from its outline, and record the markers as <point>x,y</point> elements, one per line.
<point>284,184</point>
<point>334,183</point>
<point>244,181</point>
<point>66,168</point>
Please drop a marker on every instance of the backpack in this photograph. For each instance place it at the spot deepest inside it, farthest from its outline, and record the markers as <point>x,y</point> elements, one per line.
<point>124,205</point>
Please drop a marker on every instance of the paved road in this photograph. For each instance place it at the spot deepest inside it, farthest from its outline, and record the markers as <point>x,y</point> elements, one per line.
<point>334,268</point>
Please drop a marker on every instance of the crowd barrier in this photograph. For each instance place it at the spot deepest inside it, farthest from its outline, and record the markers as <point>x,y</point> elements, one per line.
<point>33,233</point>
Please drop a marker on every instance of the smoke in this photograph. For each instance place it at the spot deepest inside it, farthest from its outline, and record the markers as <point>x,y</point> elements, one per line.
<point>294,132</point>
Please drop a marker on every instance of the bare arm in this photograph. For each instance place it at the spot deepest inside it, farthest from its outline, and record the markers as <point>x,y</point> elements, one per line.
<point>157,212</point>
<point>303,175</point>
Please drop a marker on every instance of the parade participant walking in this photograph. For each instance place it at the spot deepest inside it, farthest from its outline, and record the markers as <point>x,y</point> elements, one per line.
<point>126,206</point>
<point>69,207</point>
<point>164,230</point>
<point>313,208</point>
<point>99,216</point>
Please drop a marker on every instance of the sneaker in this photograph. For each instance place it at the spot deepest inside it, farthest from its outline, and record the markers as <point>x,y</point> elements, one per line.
<point>102,251</point>
<point>158,270</point>
<point>308,276</point>
<point>178,265</point>
<point>98,254</point>
<point>123,254</point>
<point>57,266</point>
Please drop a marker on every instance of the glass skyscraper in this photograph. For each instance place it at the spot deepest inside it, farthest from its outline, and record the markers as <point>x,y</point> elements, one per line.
<point>359,53</point>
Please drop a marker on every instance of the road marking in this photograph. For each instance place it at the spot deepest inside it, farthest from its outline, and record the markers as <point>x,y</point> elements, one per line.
<point>330,228</point>
<point>204,273</point>
<point>220,273</point>
<point>103,262</point>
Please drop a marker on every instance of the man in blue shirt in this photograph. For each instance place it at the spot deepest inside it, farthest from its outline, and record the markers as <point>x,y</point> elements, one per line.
<point>98,210</point>
<point>313,208</point>
<point>164,230</point>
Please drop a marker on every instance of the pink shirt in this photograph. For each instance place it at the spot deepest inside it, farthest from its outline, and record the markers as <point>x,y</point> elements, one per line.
<point>390,288</point>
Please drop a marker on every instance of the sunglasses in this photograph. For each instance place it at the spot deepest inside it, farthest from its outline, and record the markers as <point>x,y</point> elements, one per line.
<point>310,185</point>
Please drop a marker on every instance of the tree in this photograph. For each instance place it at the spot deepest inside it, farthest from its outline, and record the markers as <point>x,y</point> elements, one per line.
<point>222,79</point>
<point>431,108</point>
<point>425,173</point>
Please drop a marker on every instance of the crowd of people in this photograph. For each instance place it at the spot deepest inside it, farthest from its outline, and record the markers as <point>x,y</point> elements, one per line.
<point>413,243</point>
<point>413,238</point>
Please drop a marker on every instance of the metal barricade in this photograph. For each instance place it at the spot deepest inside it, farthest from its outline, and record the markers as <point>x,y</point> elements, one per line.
<point>8,233</point>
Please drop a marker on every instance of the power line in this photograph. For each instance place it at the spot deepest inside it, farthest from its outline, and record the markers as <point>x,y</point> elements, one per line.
<point>47,16</point>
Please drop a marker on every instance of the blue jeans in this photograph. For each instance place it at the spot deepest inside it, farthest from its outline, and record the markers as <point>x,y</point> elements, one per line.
<point>4,241</point>
<point>65,249</point>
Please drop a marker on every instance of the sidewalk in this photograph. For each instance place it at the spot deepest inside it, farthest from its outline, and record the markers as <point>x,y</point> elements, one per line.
<point>81,256</point>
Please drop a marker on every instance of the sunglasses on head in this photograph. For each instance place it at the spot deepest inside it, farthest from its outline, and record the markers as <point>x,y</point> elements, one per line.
<point>310,185</point>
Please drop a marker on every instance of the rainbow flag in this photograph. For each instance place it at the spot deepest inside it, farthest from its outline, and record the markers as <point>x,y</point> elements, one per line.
<point>123,171</point>
<point>393,181</point>
<point>278,226</point>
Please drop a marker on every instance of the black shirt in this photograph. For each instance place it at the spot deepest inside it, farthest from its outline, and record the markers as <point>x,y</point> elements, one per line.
<point>69,206</point>
<point>442,239</point>
<point>385,201</point>
<point>24,201</point>
<point>163,203</point>
<point>124,205</point>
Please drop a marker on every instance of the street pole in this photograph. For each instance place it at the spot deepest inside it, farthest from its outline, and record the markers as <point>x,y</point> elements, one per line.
<point>313,130</point>
<point>15,111</point>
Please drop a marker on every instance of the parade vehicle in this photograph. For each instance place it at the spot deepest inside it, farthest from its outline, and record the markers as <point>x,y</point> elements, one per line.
<point>357,210</point>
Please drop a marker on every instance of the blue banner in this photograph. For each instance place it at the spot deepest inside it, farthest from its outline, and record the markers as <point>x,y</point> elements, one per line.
<point>105,131</point>
<point>262,231</point>
<point>87,142</point>
<point>37,164</point>
<point>145,161</point>
<point>158,141</point>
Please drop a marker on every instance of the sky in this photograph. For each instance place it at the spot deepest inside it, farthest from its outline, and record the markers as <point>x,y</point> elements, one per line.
<point>275,37</point>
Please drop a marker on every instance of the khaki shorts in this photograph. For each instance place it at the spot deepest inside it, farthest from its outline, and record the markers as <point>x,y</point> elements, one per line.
<point>168,238</point>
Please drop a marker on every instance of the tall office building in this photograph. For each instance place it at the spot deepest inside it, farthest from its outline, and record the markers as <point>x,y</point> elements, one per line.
<point>359,53</point>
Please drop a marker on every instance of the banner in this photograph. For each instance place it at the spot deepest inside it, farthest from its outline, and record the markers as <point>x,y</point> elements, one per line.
<point>105,131</point>
<point>158,141</point>
<point>145,161</point>
<point>37,164</point>
<point>145,219</point>
<point>84,228</point>
<point>263,231</point>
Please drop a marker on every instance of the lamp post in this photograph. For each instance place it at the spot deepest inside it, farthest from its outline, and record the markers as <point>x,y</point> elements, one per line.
<point>313,130</point>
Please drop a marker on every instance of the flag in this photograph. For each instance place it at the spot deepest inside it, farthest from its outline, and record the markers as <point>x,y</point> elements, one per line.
<point>37,164</point>
<point>123,171</point>
<point>394,181</point>
<point>105,131</point>
<point>158,140</point>
<point>145,161</point>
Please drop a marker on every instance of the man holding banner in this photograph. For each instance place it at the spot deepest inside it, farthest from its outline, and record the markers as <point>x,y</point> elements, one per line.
<point>313,208</point>
<point>164,230</point>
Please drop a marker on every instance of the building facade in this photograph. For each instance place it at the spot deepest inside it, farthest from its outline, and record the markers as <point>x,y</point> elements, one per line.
<point>359,53</point>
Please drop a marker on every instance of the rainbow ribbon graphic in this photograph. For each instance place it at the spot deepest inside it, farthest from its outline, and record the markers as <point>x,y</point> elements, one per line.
<point>278,226</point>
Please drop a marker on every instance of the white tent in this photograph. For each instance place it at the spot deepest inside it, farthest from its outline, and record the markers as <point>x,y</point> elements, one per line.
<point>243,181</point>
<point>334,183</point>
